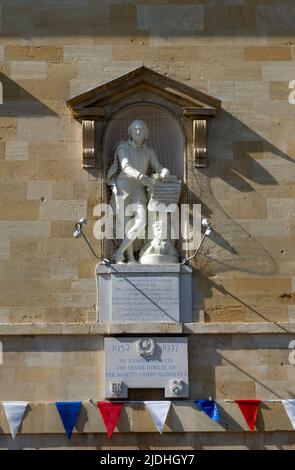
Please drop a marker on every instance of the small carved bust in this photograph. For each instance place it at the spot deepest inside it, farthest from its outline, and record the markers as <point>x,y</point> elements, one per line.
<point>159,249</point>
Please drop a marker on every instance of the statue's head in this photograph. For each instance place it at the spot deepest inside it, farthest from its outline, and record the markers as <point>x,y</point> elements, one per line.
<point>138,131</point>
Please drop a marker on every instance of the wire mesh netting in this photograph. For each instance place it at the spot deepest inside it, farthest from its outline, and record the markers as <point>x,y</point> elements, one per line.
<point>166,137</point>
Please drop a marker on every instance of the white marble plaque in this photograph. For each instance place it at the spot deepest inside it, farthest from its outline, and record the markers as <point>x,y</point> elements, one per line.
<point>142,293</point>
<point>146,299</point>
<point>146,362</point>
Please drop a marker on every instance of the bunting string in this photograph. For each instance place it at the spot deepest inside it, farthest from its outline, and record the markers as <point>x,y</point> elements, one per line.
<point>158,410</point>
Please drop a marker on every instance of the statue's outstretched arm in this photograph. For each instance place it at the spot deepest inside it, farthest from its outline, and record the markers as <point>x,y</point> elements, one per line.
<point>156,165</point>
<point>130,171</point>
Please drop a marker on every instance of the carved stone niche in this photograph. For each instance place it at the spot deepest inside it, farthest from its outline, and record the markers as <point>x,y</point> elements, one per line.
<point>145,94</point>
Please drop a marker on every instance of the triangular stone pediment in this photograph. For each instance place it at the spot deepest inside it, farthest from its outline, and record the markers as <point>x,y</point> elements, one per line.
<point>98,107</point>
<point>145,83</point>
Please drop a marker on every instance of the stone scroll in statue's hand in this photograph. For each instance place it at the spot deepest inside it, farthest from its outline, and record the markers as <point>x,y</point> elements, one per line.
<point>165,194</point>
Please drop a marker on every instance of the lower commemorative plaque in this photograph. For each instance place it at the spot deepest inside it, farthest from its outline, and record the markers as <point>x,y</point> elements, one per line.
<point>146,362</point>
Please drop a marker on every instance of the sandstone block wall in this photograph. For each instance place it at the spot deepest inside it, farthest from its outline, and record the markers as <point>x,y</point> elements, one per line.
<point>240,52</point>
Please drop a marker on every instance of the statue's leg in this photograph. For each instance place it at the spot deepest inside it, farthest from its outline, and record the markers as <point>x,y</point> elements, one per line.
<point>129,250</point>
<point>130,255</point>
<point>132,234</point>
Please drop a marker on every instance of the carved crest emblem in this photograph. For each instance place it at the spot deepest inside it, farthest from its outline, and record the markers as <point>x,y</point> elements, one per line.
<point>116,387</point>
<point>176,386</point>
<point>146,347</point>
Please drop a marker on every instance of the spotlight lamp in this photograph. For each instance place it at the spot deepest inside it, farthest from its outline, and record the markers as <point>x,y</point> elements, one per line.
<point>205,223</point>
<point>77,234</point>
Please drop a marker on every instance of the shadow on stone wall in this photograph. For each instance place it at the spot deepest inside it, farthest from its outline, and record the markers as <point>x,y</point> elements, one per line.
<point>209,285</point>
<point>233,366</point>
<point>278,440</point>
<point>19,102</point>
<point>232,247</point>
<point>90,18</point>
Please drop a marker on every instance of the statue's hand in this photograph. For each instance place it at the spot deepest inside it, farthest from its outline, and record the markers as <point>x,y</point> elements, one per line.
<point>146,181</point>
<point>164,173</point>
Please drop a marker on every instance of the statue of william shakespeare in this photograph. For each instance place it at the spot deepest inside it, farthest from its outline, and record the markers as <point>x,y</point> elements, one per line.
<point>130,183</point>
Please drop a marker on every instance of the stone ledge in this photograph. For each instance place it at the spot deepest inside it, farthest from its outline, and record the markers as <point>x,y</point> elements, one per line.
<point>183,416</point>
<point>32,329</point>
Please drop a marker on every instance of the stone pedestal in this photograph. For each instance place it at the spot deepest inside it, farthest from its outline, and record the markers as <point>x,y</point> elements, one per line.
<point>144,293</point>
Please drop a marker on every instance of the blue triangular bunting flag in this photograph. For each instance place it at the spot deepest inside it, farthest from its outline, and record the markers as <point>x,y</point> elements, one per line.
<point>68,411</point>
<point>209,407</point>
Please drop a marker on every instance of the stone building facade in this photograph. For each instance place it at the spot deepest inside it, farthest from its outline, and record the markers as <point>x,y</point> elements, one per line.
<point>240,52</point>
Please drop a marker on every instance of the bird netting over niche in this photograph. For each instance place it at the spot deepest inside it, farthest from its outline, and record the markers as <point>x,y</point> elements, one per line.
<point>166,137</point>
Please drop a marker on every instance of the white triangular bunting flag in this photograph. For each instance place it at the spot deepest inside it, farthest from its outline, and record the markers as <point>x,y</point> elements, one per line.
<point>290,410</point>
<point>158,411</point>
<point>14,411</point>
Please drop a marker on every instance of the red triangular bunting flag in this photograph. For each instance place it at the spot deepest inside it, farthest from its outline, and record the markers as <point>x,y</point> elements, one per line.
<point>249,408</point>
<point>110,412</point>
